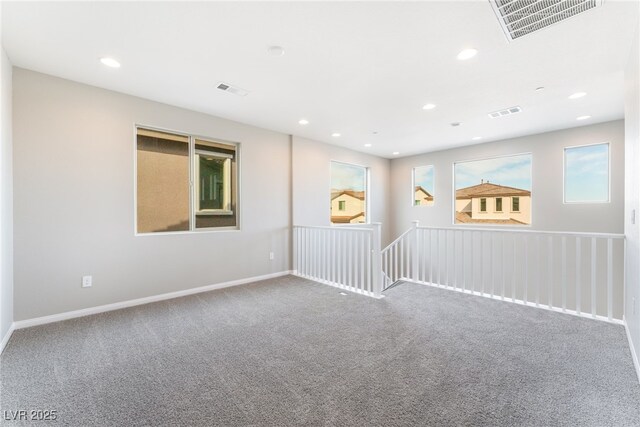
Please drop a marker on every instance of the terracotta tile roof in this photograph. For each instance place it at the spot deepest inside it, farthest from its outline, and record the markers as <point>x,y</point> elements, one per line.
<point>429,196</point>
<point>356,194</point>
<point>345,219</point>
<point>490,190</point>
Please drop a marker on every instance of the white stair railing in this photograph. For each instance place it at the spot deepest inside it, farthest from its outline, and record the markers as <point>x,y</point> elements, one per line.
<point>347,257</point>
<point>397,259</point>
<point>576,273</point>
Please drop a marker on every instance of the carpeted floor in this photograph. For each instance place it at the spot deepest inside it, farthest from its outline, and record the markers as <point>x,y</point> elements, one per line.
<point>290,352</point>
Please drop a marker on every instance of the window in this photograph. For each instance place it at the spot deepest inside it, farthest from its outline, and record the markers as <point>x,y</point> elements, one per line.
<point>348,193</point>
<point>184,183</point>
<point>423,177</point>
<point>515,204</point>
<point>495,182</point>
<point>586,174</point>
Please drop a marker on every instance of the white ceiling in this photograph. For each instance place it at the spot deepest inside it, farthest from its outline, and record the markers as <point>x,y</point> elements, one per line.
<point>348,67</point>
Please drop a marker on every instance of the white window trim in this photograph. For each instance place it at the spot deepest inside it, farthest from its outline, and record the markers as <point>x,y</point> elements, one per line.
<point>413,185</point>
<point>192,228</point>
<point>227,180</point>
<point>564,175</point>
<point>367,201</point>
<point>453,179</point>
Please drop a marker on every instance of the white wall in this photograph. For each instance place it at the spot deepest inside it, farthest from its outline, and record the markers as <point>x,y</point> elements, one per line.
<point>6,198</point>
<point>74,201</point>
<point>311,186</point>
<point>548,211</point>
<point>632,195</point>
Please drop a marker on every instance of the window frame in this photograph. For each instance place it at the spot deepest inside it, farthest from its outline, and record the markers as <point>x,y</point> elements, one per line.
<point>367,201</point>
<point>413,185</point>
<point>513,199</point>
<point>564,175</point>
<point>496,204</point>
<point>483,225</point>
<point>192,138</point>
<point>486,205</point>
<point>227,177</point>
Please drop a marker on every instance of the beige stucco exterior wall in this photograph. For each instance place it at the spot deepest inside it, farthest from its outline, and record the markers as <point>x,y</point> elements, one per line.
<point>419,195</point>
<point>162,192</point>
<point>463,205</point>
<point>524,215</point>
<point>353,205</point>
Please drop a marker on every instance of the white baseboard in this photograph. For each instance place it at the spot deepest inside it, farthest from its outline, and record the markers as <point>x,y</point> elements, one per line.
<point>6,337</point>
<point>634,355</point>
<point>140,301</point>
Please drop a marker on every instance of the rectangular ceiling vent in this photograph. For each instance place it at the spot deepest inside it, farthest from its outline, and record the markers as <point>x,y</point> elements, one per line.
<point>521,17</point>
<point>505,112</point>
<point>232,89</point>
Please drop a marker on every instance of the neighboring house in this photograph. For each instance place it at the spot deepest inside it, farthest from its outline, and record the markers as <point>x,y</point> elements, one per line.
<point>422,197</point>
<point>492,203</point>
<point>347,206</point>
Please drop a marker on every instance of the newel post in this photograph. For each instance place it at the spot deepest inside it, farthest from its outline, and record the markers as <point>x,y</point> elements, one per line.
<point>415,256</point>
<point>376,259</point>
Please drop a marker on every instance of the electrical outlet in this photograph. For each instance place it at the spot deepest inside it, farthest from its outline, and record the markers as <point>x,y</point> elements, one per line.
<point>87,281</point>
<point>271,256</point>
<point>633,216</point>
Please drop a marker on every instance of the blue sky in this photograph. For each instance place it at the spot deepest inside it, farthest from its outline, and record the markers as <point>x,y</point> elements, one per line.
<point>512,171</point>
<point>587,173</point>
<point>348,177</point>
<point>423,176</point>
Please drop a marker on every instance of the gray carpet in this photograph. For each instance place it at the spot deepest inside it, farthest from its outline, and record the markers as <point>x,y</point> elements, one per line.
<point>292,352</point>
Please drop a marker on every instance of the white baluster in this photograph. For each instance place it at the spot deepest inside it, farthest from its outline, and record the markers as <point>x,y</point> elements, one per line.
<point>578,273</point>
<point>550,267</point>
<point>593,276</point>
<point>564,273</point>
<point>609,279</point>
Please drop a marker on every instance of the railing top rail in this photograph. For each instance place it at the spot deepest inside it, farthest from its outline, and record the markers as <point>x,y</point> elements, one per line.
<point>398,239</point>
<point>517,231</point>
<point>337,227</point>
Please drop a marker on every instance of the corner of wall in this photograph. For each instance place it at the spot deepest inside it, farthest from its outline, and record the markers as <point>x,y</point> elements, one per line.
<point>6,196</point>
<point>632,198</point>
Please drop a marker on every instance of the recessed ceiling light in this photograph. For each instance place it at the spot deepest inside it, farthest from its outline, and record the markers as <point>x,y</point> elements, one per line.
<point>467,54</point>
<point>539,88</point>
<point>367,145</point>
<point>110,62</point>
<point>429,106</point>
<point>583,117</point>
<point>375,132</point>
<point>395,153</point>
<point>477,138</point>
<point>303,122</point>
<point>335,135</point>
<point>577,95</point>
<point>275,50</point>
<point>456,124</point>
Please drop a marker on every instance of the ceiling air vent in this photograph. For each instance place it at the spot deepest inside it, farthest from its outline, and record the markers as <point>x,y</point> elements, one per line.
<point>521,17</point>
<point>232,89</point>
<point>505,112</point>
